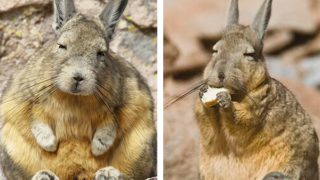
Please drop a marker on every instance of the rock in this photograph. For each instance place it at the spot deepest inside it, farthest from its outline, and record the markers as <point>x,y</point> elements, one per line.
<point>182,30</point>
<point>316,10</point>
<point>297,53</point>
<point>143,44</point>
<point>181,138</point>
<point>170,54</point>
<point>22,29</point>
<point>304,22</point>
<point>310,71</point>
<point>142,13</point>
<point>278,68</point>
<point>90,7</point>
<point>211,20</point>
<point>277,40</point>
<point>10,5</point>
<point>139,46</point>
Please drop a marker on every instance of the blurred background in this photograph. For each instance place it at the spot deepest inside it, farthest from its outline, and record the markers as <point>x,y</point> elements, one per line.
<point>191,28</point>
<point>25,26</point>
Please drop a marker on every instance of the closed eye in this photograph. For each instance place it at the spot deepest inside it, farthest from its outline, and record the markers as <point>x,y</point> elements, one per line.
<point>100,53</point>
<point>249,54</point>
<point>62,46</point>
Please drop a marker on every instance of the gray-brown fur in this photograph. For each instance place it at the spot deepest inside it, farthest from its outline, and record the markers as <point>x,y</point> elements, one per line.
<point>258,130</point>
<point>76,85</point>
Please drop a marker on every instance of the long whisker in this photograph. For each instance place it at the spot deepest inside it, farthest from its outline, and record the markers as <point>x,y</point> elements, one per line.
<point>114,104</point>
<point>185,93</point>
<point>102,98</point>
<point>18,108</point>
<point>28,87</point>
<point>102,101</point>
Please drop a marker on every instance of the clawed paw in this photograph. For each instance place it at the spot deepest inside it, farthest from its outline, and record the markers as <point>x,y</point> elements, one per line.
<point>108,173</point>
<point>224,99</point>
<point>98,146</point>
<point>103,139</point>
<point>45,175</point>
<point>203,89</point>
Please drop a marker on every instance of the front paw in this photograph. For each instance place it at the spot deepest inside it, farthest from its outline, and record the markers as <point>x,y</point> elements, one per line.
<point>45,175</point>
<point>224,99</point>
<point>44,136</point>
<point>203,89</point>
<point>109,173</point>
<point>275,176</point>
<point>100,145</point>
<point>48,142</point>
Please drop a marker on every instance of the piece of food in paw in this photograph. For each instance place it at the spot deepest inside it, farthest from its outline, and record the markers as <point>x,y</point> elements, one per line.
<point>209,98</point>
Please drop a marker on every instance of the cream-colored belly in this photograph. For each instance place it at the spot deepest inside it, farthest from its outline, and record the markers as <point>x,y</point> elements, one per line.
<point>73,157</point>
<point>222,167</point>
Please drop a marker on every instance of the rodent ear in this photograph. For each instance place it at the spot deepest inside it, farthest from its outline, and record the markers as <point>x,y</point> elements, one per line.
<point>233,13</point>
<point>111,14</point>
<point>261,20</point>
<point>63,10</point>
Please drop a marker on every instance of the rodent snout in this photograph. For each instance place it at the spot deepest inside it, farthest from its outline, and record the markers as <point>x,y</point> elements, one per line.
<point>77,80</point>
<point>76,86</point>
<point>217,78</point>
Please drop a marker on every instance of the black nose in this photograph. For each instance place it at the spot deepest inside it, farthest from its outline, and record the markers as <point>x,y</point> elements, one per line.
<point>221,76</point>
<point>78,78</point>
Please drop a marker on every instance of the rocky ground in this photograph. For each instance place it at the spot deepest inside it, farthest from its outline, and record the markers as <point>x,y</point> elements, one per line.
<point>292,46</point>
<point>25,26</point>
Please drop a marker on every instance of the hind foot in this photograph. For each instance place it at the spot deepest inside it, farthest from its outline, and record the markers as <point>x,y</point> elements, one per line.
<point>108,173</point>
<point>45,175</point>
<point>275,176</point>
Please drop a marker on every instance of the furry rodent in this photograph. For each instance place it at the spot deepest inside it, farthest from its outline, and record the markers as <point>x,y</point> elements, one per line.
<point>258,130</point>
<point>77,110</point>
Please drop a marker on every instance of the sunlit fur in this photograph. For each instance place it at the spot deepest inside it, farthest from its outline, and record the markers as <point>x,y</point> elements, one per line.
<point>112,92</point>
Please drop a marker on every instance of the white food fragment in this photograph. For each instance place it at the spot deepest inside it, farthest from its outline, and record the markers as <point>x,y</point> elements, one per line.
<point>211,94</point>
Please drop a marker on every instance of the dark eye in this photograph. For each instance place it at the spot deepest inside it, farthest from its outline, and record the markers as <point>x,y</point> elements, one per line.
<point>62,46</point>
<point>215,51</point>
<point>100,53</point>
<point>249,54</point>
